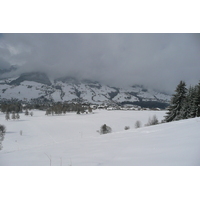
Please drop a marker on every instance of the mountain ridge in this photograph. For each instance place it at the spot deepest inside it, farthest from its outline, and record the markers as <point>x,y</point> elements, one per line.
<point>37,85</point>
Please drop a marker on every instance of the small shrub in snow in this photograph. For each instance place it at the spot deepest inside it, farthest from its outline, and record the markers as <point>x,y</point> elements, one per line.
<point>105,129</point>
<point>48,112</point>
<point>152,121</point>
<point>2,129</point>
<point>138,124</point>
<point>2,134</point>
<point>126,127</point>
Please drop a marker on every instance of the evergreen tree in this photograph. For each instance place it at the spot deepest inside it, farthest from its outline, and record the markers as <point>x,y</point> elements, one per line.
<point>177,102</point>
<point>187,104</point>
<point>78,111</point>
<point>13,115</point>
<point>7,116</point>
<point>197,101</point>
<point>191,113</point>
<point>17,116</point>
<point>89,109</point>
<point>26,112</point>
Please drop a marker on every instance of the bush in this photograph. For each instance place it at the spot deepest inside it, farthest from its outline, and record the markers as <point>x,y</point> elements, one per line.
<point>126,127</point>
<point>2,133</point>
<point>26,112</point>
<point>138,124</point>
<point>105,129</point>
<point>152,121</point>
<point>2,129</point>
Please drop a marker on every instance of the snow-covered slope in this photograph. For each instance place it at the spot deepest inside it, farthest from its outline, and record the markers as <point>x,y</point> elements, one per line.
<point>73,139</point>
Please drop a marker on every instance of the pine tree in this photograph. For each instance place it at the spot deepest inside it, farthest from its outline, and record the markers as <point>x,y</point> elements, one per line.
<point>7,116</point>
<point>17,116</point>
<point>197,101</point>
<point>177,103</point>
<point>26,112</point>
<point>187,104</point>
<point>89,109</point>
<point>13,115</point>
<point>191,104</point>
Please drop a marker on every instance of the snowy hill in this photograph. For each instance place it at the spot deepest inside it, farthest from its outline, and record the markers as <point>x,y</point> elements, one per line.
<point>37,85</point>
<point>73,139</point>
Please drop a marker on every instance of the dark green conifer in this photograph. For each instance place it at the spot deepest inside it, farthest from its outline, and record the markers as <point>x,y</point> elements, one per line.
<point>177,103</point>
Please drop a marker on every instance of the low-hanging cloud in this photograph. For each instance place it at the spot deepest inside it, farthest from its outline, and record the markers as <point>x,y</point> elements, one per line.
<point>155,60</point>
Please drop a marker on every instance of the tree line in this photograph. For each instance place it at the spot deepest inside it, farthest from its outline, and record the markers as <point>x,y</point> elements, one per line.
<point>185,103</point>
<point>62,108</point>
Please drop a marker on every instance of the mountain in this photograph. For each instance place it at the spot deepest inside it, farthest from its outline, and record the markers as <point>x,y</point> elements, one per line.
<point>34,76</point>
<point>37,85</point>
<point>7,70</point>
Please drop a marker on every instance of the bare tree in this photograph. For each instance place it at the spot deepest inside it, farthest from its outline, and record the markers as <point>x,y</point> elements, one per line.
<point>138,124</point>
<point>152,121</point>
<point>49,157</point>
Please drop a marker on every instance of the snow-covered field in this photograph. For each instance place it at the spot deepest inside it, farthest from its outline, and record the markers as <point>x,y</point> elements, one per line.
<point>73,140</point>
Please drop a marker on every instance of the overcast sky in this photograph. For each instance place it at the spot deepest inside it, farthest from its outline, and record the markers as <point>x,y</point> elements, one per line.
<point>155,60</point>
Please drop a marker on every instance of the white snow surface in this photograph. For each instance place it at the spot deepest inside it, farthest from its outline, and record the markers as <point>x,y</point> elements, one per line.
<point>73,139</point>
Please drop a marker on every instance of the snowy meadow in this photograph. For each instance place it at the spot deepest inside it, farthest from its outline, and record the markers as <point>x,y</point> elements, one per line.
<point>74,140</point>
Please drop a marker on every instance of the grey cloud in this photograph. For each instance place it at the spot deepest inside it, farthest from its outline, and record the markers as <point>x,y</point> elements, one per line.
<point>155,60</point>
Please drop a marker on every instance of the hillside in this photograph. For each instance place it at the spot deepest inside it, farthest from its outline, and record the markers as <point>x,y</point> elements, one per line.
<point>31,86</point>
<point>73,139</point>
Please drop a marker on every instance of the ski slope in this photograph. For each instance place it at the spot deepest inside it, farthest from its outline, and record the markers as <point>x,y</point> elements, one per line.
<point>74,140</point>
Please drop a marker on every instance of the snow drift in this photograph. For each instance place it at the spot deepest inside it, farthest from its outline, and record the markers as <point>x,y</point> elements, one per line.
<point>73,139</point>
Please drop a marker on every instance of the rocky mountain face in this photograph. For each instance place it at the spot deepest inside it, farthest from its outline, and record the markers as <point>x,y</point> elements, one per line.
<point>36,85</point>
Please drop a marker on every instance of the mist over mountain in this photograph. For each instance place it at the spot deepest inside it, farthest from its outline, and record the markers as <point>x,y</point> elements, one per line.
<point>34,77</point>
<point>157,61</point>
<point>37,87</point>
<point>6,72</point>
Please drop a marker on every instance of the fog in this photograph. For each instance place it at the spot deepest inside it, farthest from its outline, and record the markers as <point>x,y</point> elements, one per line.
<point>157,61</point>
